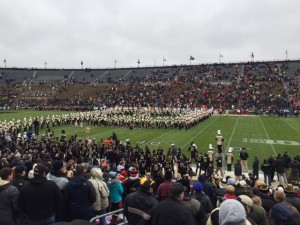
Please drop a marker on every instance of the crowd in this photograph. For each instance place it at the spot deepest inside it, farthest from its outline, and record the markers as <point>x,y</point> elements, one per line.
<point>264,85</point>
<point>50,180</point>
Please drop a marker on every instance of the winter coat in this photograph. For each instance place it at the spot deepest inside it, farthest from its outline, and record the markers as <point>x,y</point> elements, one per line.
<point>116,190</point>
<point>238,169</point>
<point>39,198</point>
<point>102,192</point>
<point>81,194</point>
<point>8,202</point>
<point>143,202</point>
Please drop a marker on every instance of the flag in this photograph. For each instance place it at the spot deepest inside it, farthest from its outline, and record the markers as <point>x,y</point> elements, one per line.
<point>4,60</point>
<point>252,55</point>
<point>192,58</point>
<point>115,61</point>
<point>81,62</point>
<point>164,60</point>
<point>138,61</point>
<point>286,52</point>
<point>221,56</point>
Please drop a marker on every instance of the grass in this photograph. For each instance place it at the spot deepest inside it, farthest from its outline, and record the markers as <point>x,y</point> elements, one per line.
<point>261,135</point>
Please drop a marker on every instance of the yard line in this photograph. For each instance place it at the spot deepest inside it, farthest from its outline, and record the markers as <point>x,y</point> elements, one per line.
<point>232,134</point>
<point>192,139</point>
<point>267,136</point>
<point>291,126</point>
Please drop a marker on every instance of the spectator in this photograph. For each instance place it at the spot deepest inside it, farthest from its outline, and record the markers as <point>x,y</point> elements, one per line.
<point>232,212</point>
<point>291,196</point>
<point>164,188</point>
<point>80,195</point>
<point>40,198</point>
<point>254,212</point>
<point>102,194</point>
<point>265,167</point>
<point>139,206</point>
<point>202,197</point>
<point>58,175</point>
<point>172,211</point>
<point>20,177</point>
<point>8,196</point>
<point>115,191</point>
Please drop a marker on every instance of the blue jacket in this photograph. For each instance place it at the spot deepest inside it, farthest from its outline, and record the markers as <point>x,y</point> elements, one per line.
<point>116,190</point>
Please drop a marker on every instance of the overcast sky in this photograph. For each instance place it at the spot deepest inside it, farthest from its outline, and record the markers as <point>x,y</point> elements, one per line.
<point>65,32</point>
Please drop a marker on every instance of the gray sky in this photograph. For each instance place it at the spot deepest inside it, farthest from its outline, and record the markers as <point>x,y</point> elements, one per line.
<point>98,32</point>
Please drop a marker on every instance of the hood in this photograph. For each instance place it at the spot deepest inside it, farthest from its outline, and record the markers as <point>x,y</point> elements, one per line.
<point>78,181</point>
<point>114,183</point>
<point>232,212</point>
<point>97,173</point>
<point>38,180</point>
<point>3,184</point>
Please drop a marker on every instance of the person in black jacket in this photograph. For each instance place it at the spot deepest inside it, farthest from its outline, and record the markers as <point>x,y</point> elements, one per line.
<point>81,194</point>
<point>139,206</point>
<point>238,170</point>
<point>39,198</point>
<point>279,168</point>
<point>172,211</point>
<point>255,167</point>
<point>265,167</point>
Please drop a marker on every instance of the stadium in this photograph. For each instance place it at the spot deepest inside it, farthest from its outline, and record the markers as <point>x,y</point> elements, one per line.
<point>181,143</point>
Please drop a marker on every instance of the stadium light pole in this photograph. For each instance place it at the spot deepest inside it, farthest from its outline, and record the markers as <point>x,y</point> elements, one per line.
<point>81,64</point>
<point>115,63</point>
<point>45,64</point>
<point>286,55</point>
<point>138,62</point>
<point>4,63</point>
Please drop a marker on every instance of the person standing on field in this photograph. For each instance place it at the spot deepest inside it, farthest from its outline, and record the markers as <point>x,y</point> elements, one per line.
<point>244,157</point>
<point>229,158</point>
<point>219,141</point>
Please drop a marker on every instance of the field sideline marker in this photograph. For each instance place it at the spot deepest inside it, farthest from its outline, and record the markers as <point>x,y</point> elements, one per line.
<point>268,136</point>
<point>232,134</point>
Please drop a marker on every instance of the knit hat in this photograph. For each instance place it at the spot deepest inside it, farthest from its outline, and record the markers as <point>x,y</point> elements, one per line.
<point>198,187</point>
<point>112,174</point>
<point>146,183</point>
<point>57,165</point>
<point>232,212</point>
<point>124,173</point>
<point>120,168</point>
<point>246,200</point>
<point>280,212</point>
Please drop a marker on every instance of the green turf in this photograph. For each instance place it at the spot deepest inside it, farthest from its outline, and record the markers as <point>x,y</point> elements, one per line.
<point>261,135</point>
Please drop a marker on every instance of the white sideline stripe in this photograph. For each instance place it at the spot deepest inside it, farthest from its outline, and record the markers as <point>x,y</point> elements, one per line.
<point>232,134</point>
<point>268,136</point>
<point>192,139</point>
<point>291,126</point>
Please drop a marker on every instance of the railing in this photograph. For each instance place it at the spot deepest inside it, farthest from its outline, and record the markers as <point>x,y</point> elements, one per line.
<point>96,218</point>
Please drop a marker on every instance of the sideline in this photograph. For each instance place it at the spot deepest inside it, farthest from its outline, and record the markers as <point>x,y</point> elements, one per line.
<point>231,135</point>
<point>268,136</point>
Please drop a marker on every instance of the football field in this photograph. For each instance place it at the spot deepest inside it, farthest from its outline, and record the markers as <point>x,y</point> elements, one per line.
<point>261,135</point>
